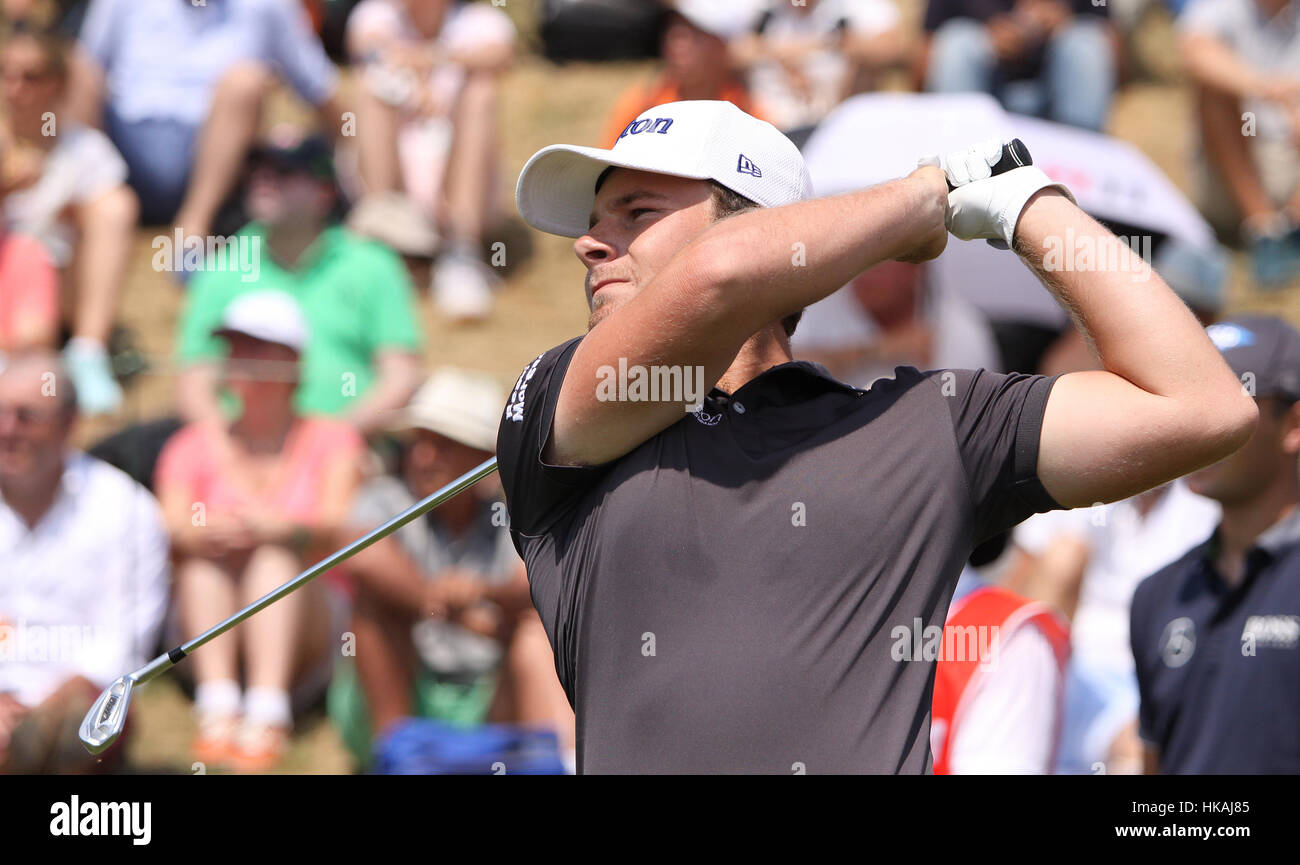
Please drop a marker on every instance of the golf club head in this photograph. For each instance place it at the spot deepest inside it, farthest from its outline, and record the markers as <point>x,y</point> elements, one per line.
<point>103,723</point>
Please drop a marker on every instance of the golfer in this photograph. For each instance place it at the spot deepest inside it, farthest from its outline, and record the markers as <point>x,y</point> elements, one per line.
<point>749,586</point>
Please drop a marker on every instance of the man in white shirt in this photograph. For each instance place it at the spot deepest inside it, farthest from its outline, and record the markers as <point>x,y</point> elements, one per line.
<point>83,572</point>
<point>1087,563</point>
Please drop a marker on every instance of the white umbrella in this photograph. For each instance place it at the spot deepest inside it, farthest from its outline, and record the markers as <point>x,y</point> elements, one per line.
<point>875,137</point>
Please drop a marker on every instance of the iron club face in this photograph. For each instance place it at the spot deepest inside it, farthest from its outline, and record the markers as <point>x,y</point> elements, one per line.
<point>103,723</point>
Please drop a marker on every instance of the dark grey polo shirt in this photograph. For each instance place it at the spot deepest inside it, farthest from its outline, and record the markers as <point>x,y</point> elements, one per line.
<point>727,596</point>
<point>1218,666</point>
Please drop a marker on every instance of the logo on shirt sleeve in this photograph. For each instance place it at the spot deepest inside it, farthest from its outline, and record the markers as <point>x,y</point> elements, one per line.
<point>515,407</point>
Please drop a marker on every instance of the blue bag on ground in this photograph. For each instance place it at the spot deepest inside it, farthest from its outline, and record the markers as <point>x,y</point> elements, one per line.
<point>421,746</point>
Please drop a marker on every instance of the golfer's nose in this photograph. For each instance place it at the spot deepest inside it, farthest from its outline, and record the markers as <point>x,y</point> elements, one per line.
<point>592,250</point>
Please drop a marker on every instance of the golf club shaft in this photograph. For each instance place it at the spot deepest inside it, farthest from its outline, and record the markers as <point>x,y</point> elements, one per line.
<point>166,661</point>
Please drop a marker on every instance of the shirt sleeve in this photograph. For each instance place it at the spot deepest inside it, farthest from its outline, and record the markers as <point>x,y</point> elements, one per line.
<point>295,48</point>
<point>1009,726</point>
<point>204,305</point>
<point>538,493</point>
<point>997,420</point>
<point>97,37</point>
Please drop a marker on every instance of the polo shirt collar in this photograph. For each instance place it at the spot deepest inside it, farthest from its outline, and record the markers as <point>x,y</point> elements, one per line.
<point>1282,535</point>
<point>787,383</point>
<point>1273,542</point>
<point>326,244</point>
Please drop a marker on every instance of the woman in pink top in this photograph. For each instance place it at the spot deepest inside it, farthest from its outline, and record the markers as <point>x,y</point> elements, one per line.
<point>29,295</point>
<point>248,506</point>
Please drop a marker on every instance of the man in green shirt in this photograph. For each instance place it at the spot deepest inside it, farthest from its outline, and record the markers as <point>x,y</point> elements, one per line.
<point>363,358</point>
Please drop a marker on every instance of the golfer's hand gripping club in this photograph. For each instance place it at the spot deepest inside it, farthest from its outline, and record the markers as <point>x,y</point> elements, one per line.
<point>988,187</point>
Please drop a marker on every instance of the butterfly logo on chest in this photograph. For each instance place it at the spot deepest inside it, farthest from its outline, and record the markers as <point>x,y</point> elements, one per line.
<point>705,418</point>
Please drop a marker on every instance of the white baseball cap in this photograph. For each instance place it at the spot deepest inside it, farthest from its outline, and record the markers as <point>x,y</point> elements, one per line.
<point>268,315</point>
<point>725,19</point>
<point>462,405</point>
<point>704,139</point>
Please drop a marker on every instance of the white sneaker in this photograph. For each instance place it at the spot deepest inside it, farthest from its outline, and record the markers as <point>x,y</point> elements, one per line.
<point>462,286</point>
<point>92,372</point>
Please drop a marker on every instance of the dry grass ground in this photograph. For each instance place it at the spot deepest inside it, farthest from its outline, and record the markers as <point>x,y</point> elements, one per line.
<point>542,306</point>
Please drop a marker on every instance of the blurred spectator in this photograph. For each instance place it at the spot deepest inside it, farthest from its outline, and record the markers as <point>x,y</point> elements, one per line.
<point>444,623</point>
<point>806,58</point>
<point>1048,58</point>
<point>997,710</point>
<point>84,559</point>
<point>247,511</point>
<point>180,88</point>
<point>427,126</point>
<point>1086,563</point>
<point>68,188</point>
<point>1216,634</point>
<point>355,294</point>
<point>1243,57</point>
<point>29,293</point>
<point>893,315</point>
<point>696,63</point>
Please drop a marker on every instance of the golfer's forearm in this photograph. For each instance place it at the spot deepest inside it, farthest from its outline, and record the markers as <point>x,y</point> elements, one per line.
<point>770,263</point>
<point>1140,330</point>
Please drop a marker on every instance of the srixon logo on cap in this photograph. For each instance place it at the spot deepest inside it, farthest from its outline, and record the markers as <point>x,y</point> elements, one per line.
<point>646,124</point>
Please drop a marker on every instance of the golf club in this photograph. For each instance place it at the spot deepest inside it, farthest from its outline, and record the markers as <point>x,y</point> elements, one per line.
<point>103,723</point>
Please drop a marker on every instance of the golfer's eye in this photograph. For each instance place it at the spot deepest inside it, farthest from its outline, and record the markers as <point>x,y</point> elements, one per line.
<point>636,212</point>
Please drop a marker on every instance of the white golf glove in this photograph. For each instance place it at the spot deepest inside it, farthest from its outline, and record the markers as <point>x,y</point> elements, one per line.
<point>984,205</point>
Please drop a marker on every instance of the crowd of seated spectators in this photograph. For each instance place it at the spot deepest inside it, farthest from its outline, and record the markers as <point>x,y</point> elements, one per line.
<point>304,415</point>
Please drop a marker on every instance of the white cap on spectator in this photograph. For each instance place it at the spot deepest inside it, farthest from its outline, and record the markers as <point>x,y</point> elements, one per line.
<point>462,405</point>
<point>705,140</point>
<point>725,19</point>
<point>268,315</point>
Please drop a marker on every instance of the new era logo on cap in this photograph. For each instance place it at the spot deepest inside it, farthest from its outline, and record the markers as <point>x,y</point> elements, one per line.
<point>701,139</point>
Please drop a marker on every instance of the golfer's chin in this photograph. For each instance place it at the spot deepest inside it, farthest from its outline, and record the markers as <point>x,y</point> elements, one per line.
<point>600,312</point>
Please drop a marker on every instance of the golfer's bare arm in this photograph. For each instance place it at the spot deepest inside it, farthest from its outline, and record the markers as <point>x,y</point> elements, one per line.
<point>1165,402</point>
<point>737,277</point>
